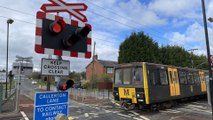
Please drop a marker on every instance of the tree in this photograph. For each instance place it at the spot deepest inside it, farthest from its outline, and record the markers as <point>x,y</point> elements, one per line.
<point>174,55</point>
<point>105,78</point>
<point>200,62</point>
<point>36,75</point>
<point>75,76</point>
<point>83,75</point>
<point>137,48</point>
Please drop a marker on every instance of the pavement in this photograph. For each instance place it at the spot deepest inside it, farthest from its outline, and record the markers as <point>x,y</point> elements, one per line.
<point>26,105</point>
<point>90,108</point>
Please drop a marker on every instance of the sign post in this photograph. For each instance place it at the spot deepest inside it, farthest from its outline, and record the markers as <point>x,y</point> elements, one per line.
<point>53,39</point>
<point>48,105</point>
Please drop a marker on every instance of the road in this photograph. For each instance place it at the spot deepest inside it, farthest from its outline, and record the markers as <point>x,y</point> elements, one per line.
<point>110,110</point>
<point>27,85</point>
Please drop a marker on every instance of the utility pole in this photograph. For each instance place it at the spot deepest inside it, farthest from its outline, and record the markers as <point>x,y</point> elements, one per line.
<point>208,52</point>
<point>93,61</point>
<point>191,56</point>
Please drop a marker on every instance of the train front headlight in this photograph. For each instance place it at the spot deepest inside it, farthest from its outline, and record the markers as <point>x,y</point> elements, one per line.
<point>139,95</point>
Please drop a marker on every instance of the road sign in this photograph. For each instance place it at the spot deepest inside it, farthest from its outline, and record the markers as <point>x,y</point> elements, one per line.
<point>55,67</point>
<point>40,47</point>
<point>61,6</point>
<point>48,105</point>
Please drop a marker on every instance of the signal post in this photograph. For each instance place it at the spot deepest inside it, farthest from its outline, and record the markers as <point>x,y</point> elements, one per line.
<point>60,36</point>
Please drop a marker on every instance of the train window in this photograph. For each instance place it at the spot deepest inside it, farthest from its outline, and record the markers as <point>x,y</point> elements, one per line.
<point>137,76</point>
<point>153,78</point>
<point>183,79</point>
<point>163,77</point>
<point>196,78</point>
<point>206,76</point>
<point>127,75</point>
<point>170,76</point>
<point>176,77</point>
<point>118,76</point>
<point>190,78</point>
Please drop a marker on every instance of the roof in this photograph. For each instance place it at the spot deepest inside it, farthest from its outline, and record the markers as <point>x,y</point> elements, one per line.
<point>106,63</point>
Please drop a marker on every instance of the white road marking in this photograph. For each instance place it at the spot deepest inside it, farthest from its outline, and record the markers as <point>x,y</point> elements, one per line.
<point>170,111</point>
<point>197,106</point>
<point>115,103</point>
<point>70,118</point>
<point>24,115</point>
<point>124,115</point>
<point>199,103</point>
<point>137,118</point>
<point>141,116</point>
<point>196,109</point>
<point>86,114</point>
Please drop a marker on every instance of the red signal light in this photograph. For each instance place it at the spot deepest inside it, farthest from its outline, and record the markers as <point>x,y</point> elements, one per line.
<point>57,27</point>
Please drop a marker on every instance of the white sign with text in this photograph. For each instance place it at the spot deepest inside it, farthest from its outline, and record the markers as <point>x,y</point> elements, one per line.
<point>55,67</point>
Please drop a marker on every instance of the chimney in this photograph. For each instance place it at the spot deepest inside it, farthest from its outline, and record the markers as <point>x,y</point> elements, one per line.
<point>95,57</point>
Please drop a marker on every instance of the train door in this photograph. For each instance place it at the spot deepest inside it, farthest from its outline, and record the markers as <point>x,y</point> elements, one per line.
<point>174,82</point>
<point>202,81</point>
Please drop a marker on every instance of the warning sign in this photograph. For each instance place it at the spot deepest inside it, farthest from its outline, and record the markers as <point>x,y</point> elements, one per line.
<point>55,67</point>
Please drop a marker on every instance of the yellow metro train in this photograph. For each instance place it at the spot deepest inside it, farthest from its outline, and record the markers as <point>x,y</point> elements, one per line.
<point>155,85</point>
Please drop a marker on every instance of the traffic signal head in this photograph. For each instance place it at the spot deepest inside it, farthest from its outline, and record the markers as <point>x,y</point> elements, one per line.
<point>57,26</point>
<point>63,37</point>
<point>65,84</point>
<point>76,36</point>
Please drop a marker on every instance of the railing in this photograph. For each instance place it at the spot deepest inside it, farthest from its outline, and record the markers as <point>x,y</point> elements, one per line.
<point>83,95</point>
<point>7,104</point>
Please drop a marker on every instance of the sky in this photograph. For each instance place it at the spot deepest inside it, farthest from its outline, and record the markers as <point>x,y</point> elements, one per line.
<point>168,22</point>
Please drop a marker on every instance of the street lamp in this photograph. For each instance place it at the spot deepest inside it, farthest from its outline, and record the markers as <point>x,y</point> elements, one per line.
<point>210,19</point>
<point>9,21</point>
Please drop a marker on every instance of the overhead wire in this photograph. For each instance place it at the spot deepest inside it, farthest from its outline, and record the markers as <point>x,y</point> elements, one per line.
<point>17,20</point>
<point>33,16</point>
<point>134,21</point>
<point>162,38</point>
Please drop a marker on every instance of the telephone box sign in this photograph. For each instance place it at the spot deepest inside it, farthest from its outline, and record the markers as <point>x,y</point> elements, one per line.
<point>55,67</point>
<point>61,6</point>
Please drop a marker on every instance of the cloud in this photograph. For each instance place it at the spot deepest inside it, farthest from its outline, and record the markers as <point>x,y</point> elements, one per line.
<point>192,37</point>
<point>112,21</point>
<point>178,8</point>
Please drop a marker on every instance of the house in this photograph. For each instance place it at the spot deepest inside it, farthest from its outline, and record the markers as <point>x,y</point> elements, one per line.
<point>99,67</point>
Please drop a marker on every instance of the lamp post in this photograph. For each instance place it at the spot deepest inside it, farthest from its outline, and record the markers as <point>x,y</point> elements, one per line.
<point>208,53</point>
<point>9,21</point>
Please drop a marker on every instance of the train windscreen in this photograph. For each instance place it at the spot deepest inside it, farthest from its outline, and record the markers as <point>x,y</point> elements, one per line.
<point>127,76</point>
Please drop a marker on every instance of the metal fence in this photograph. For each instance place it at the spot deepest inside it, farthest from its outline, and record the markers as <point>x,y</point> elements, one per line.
<point>83,95</point>
<point>7,104</point>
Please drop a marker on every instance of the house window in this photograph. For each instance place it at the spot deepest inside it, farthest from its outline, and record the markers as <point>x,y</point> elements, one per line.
<point>109,70</point>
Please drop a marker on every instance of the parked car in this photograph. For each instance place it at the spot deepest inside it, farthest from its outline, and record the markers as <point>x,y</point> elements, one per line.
<point>77,85</point>
<point>34,82</point>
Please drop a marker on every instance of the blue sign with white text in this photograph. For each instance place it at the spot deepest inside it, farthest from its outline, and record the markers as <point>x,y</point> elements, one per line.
<point>49,104</point>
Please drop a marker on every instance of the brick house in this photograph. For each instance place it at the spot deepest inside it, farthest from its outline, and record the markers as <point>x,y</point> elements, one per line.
<point>100,67</point>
